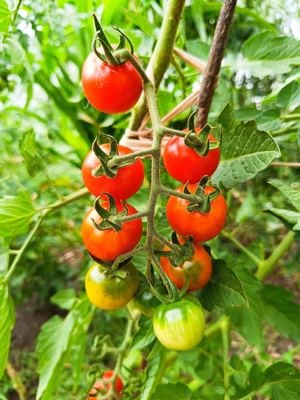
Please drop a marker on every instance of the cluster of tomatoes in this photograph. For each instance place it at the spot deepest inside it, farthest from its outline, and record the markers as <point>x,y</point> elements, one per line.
<point>178,325</point>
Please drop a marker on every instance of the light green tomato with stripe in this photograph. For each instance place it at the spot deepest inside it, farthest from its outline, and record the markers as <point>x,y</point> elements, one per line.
<point>179,325</point>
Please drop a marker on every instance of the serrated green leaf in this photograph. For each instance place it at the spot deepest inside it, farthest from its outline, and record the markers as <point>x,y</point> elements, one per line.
<point>16,213</point>
<point>7,321</point>
<point>145,334</point>
<point>291,193</point>
<point>30,151</point>
<point>280,311</point>
<point>4,16</point>
<point>245,150</point>
<point>224,288</point>
<point>247,320</point>
<point>64,298</point>
<point>154,371</point>
<point>284,381</point>
<point>176,391</point>
<point>52,346</point>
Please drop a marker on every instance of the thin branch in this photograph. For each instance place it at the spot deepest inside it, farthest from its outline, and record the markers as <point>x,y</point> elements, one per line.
<point>212,69</point>
<point>285,164</point>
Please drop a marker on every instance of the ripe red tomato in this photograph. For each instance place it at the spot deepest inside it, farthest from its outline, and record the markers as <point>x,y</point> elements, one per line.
<point>103,387</point>
<point>111,292</point>
<point>201,226</point>
<point>179,325</point>
<point>108,244</point>
<point>110,89</point>
<point>125,184</point>
<point>185,164</point>
<point>198,268</point>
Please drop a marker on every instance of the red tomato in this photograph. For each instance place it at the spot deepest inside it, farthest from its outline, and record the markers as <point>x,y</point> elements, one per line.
<point>198,268</point>
<point>102,386</point>
<point>125,184</point>
<point>108,244</point>
<point>185,164</point>
<point>201,226</point>
<point>110,89</point>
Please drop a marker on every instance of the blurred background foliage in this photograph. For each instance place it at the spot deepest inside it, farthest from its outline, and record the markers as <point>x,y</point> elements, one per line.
<point>44,112</point>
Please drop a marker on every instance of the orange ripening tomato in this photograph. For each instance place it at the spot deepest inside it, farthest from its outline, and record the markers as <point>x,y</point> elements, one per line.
<point>125,184</point>
<point>198,269</point>
<point>201,226</point>
<point>103,387</point>
<point>185,164</point>
<point>106,245</point>
<point>110,89</point>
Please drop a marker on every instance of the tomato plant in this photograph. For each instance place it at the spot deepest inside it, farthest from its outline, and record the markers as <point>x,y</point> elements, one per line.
<point>185,164</point>
<point>110,89</point>
<point>201,226</point>
<point>125,184</point>
<point>197,269</point>
<point>101,386</point>
<point>111,291</point>
<point>179,325</point>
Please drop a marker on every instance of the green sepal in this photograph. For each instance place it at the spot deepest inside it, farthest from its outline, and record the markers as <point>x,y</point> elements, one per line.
<point>125,39</point>
<point>104,158</point>
<point>202,201</point>
<point>111,217</point>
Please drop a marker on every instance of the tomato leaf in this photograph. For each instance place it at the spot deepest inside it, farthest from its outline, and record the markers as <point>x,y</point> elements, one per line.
<point>292,193</point>
<point>281,311</point>
<point>30,151</point>
<point>145,334</point>
<point>16,213</point>
<point>7,321</point>
<point>289,95</point>
<point>176,391</point>
<point>154,370</point>
<point>245,150</point>
<point>224,289</point>
<point>64,298</point>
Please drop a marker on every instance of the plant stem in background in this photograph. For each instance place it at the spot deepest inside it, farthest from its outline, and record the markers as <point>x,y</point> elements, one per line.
<point>161,56</point>
<point>212,69</point>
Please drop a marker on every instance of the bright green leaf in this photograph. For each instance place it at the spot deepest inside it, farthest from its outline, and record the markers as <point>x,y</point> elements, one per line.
<point>7,321</point>
<point>64,298</point>
<point>4,16</point>
<point>290,192</point>
<point>30,151</point>
<point>176,391</point>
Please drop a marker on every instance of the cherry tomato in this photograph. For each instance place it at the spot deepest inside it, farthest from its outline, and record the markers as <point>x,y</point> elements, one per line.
<point>185,164</point>
<point>198,268</point>
<point>125,184</point>
<point>201,226</point>
<point>179,325</point>
<point>103,387</point>
<point>108,244</point>
<point>111,292</point>
<point>110,89</point>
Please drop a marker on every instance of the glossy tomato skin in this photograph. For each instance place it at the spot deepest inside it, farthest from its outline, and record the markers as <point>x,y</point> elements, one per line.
<point>110,89</point>
<point>100,385</point>
<point>185,164</point>
<point>125,184</point>
<point>179,325</point>
<point>198,268</point>
<point>111,293</point>
<point>201,226</point>
<point>108,244</point>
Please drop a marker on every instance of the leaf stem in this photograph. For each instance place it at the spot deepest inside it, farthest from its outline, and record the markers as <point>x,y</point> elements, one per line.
<point>265,267</point>
<point>241,247</point>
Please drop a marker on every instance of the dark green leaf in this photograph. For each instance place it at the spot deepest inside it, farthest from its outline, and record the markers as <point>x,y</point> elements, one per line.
<point>176,391</point>
<point>145,334</point>
<point>245,150</point>
<point>224,288</point>
<point>281,312</point>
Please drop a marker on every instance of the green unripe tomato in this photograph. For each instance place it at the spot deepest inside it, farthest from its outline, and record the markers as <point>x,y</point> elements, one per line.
<point>179,325</point>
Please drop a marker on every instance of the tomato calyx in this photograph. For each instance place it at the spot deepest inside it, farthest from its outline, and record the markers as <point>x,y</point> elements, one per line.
<point>181,251</point>
<point>110,216</point>
<point>104,158</point>
<point>202,201</point>
<point>109,56</point>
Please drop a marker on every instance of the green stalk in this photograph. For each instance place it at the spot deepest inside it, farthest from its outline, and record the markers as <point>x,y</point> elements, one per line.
<point>265,267</point>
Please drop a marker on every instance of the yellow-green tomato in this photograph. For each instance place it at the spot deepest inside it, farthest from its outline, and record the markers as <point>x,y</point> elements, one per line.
<point>112,291</point>
<point>179,325</point>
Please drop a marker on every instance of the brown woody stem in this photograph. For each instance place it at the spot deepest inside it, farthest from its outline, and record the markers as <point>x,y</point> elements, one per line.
<point>212,69</point>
